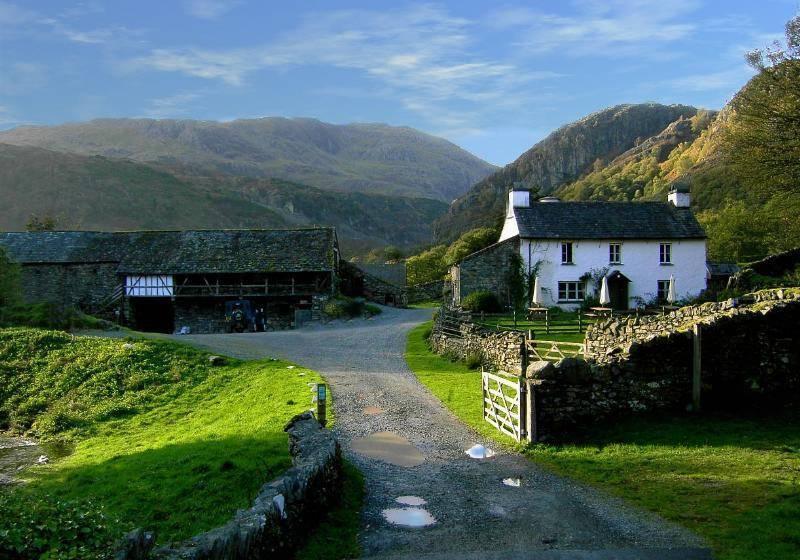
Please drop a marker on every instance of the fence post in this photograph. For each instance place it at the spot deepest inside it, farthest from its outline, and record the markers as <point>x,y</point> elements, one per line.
<point>580,324</point>
<point>524,409</point>
<point>530,409</point>
<point>696,368</point>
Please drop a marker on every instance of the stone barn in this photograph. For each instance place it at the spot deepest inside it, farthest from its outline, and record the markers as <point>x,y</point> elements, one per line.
<point>165,280</point>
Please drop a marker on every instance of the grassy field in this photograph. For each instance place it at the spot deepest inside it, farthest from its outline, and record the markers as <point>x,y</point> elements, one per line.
<point>160,438</point>
<point>733,480</point>
<point>563,326</point>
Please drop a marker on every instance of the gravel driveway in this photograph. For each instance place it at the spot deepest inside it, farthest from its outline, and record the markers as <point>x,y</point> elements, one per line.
<point>477,515</point>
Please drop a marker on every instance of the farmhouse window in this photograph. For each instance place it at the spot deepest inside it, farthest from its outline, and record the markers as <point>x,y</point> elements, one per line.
<point>570,291</point>
<point>615,253</point>
<point>566,252</point>
<point>665,253</point>
<point>663,290</point>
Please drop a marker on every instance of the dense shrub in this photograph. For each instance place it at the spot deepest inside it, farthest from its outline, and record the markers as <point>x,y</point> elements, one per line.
<point>473,360</point>
<point>371,310</point>
<point>342,307</point>
<point>47,527</point>
<point>481,301</point>
<point>56,385</point>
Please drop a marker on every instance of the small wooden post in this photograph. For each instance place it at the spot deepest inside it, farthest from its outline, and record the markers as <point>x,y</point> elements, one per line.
<point>696,368</point>
<point>322,400</point>
<point>515,318</point>
<point>580,324</point>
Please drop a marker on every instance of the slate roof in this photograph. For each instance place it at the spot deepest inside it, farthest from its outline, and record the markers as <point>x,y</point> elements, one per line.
<point>607,220</point>
<point>64,246</point>
<point>182,252</point>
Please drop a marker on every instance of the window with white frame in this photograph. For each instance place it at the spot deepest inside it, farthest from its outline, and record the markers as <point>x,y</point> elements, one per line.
<point>571,291</point>
<point>665,253</point>
<point>566,252</point>
<point>615,253</point>
<point>663,290</point>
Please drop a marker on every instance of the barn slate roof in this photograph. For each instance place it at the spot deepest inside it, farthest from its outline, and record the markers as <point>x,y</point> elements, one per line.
<point>64,246</point>
<point>607,220</point>
<point>230,251</point>
<point>181,252</point>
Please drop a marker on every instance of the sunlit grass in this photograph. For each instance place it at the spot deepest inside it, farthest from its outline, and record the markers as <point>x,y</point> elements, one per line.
<point>733,480</point>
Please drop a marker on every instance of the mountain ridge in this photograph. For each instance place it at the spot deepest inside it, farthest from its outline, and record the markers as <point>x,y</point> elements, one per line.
<point>357,157</point>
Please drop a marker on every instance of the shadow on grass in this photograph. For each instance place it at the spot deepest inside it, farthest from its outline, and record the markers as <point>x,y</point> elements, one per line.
<point>177,490</point>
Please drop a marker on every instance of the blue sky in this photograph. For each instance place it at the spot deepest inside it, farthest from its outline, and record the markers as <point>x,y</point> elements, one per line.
<point>493,77</point>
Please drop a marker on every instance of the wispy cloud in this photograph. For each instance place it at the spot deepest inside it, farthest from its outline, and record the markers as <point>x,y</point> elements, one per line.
<point>19,78</point>
<point>600,27</point>
<point>724,80</point>
<point>423,54</point>
<point>210,9</point>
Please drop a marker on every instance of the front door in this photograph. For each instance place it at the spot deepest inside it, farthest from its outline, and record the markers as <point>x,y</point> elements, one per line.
<point>618,291</point>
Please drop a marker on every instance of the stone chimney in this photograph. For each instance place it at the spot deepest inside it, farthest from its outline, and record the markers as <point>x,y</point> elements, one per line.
<point>679,196</point>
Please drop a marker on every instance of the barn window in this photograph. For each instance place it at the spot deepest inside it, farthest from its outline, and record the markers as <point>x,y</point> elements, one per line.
<point>149,286</point>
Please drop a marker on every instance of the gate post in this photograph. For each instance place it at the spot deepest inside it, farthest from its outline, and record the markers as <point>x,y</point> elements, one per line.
<point>530,407</point>
<point>696,368</point>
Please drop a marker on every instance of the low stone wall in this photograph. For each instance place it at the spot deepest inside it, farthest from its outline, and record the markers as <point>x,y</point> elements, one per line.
<point>429,291</point>
<point>281,515</point>
<point>750,357</point>
<point>616,335</point>
<point>499,350</point>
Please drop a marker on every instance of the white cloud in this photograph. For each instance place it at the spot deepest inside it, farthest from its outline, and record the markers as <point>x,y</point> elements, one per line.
<point>210,9</point>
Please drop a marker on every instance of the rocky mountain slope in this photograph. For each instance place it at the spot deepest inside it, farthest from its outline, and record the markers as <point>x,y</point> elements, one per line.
<point>368,158</point>
<point>96,192</point>
<point>559,159</point>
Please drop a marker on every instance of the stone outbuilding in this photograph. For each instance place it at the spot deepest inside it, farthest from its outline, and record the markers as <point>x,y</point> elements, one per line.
<point>165,280</point>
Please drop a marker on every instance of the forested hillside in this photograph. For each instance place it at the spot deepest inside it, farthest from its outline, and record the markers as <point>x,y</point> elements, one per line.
<point>563,156</point>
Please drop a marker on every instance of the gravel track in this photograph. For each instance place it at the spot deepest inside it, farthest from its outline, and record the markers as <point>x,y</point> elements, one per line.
<point>477,516</point>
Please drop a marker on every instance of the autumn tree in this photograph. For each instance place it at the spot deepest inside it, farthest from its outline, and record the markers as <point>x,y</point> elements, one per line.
<point>764,136</point>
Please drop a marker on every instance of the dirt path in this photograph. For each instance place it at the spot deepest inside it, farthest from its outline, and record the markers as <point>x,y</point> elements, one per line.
<point>477,515</point>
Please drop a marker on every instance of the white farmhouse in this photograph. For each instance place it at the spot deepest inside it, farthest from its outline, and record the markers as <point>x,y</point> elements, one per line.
<point>569,246</point>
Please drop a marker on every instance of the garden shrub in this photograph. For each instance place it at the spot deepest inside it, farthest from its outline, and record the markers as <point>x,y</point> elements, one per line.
<point>47,527</point>
<point>481,301</point>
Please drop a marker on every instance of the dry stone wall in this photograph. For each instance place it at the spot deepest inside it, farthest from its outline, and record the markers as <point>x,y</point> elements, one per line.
<point>429,291</point>
<point>281,515</point>
<point>750,357</point>
<point>498,350</point>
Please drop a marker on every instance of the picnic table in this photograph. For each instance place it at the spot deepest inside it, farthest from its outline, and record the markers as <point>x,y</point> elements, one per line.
<point>540,312</point>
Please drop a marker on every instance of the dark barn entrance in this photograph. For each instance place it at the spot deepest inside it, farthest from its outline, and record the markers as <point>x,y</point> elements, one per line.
<point>618,290</point>
<point>153,314</point>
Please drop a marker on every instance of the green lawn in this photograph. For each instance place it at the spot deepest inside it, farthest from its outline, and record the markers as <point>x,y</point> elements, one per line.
<point>161,439</point>
<point>733,480</point>
<point>563,326</point>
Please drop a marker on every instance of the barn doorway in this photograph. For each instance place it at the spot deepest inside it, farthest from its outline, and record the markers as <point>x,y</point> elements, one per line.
<point>618,290</point>
<point>153,314</point>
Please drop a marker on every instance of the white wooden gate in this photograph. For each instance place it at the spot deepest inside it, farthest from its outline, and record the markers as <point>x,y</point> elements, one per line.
<point>504,403</point>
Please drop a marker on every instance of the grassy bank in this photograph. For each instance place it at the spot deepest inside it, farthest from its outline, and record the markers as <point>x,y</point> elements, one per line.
<point>161,439</point>
<point>734,481</point>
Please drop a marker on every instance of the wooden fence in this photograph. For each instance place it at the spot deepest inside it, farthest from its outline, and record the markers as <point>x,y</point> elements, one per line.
<point>553,351</point>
